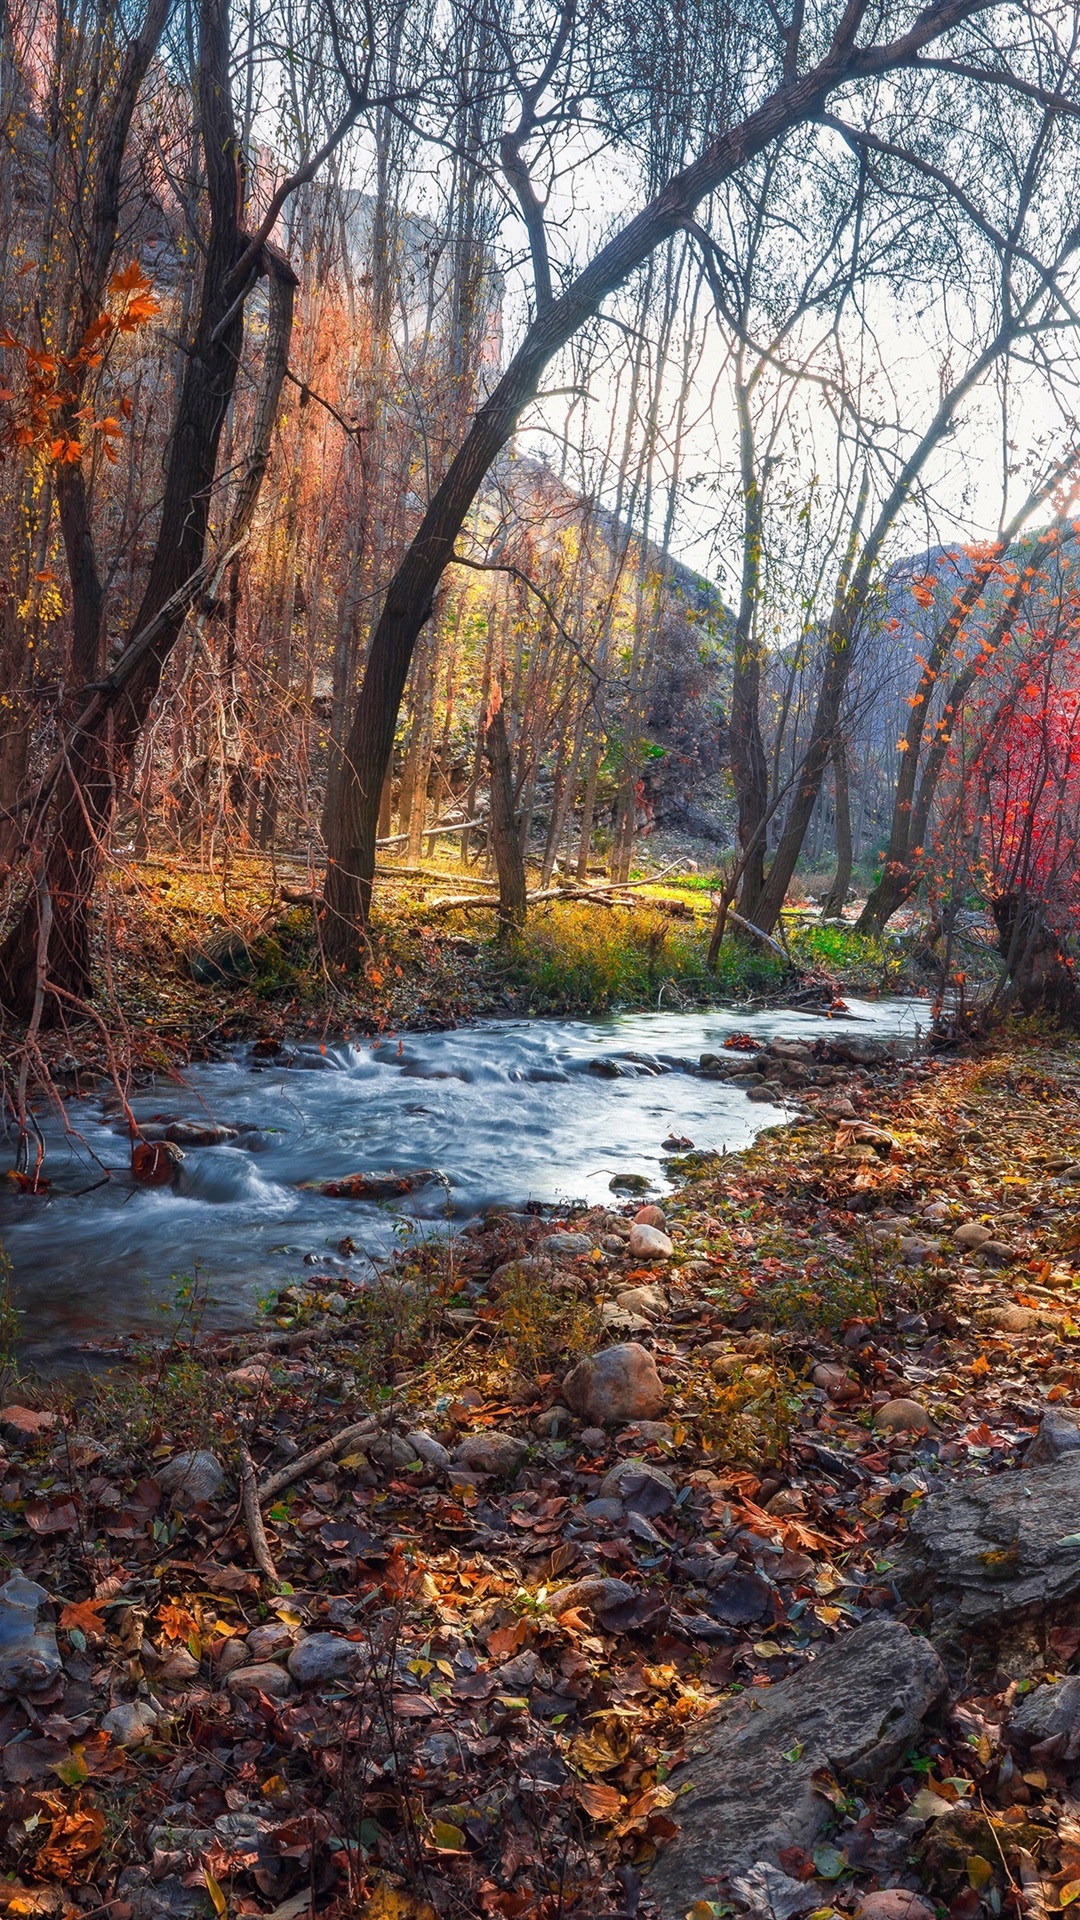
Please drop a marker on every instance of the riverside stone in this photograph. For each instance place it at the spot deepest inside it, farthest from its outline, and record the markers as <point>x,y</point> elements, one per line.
<point>191,1478</point>
<point>987,1550</point>
<point>648,1243</point>
<point>856,1709</point>
<point>320,1657</point>
<point>615,1386</point>
<point>500,1454</point>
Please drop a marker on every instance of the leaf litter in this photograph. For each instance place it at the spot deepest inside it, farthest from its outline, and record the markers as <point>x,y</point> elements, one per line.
<point>398,1722</point>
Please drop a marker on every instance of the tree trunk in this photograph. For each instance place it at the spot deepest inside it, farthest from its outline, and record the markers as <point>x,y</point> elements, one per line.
<point>505,837</point>
<point>833,904</point>
<point>74,816</point>
<point>1041,975</point>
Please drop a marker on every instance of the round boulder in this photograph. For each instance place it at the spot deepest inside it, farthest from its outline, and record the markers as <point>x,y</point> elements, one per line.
<point>615,1386</point>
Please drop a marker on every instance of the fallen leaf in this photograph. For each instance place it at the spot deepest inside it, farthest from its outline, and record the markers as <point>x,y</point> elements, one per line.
<point>600,1802</point>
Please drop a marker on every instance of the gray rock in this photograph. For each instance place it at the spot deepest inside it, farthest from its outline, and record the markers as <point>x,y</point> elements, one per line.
<point>191,1478</point>
<point>1050,1713</point>
<point>429,1450</point>
<point>640,1486</point>
<point>320,1657</point>
<point>130,1724</point>
<point>615,1386</point>
<point>987,1550</point>
<point>391,1452</point>
<point>856,1709</point>
<point>263,1677</point>
<point>567,1243</point>
<point>1059,1433</point>
<point>500,1454</point>
<point>608,1510</point>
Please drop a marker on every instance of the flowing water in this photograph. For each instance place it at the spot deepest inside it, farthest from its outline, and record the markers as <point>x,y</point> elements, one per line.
<point>506,1111</point>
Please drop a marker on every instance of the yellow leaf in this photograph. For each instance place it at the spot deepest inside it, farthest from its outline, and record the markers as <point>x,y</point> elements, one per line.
<point>1068,1893</point>
<point>979,1871</point>
<point>221,1905</point>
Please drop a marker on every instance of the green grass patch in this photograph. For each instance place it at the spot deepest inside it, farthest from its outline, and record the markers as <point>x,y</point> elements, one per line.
<point>576,957</point>
<point>855,959</point>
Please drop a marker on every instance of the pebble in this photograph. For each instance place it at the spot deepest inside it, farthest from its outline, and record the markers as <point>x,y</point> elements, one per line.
<point>179,1668</point>
<point>263,1677</point>
<point>496,1453</point>
<point>972,1234</point>
<point>901,1416</point>
<point>615,1386</point>
<point>567,1243</point>
<point>763,1094</point>
<point>998,1253</point>
<point>130,1724</point>
<point>264,1642</point>
<point>320,1657</point>
<point>648,1243</point>
<point>191,1478</point>
<point>650,1217</point>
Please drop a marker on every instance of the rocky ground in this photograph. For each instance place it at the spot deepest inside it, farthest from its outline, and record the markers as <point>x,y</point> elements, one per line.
<point>648,1562</point>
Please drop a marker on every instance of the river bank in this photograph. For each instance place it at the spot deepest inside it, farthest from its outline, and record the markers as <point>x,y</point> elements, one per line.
<point>190,961</point>
<point>498,1589</point>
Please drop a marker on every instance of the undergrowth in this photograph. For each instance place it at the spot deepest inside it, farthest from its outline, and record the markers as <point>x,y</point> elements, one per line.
<point>572,957</point>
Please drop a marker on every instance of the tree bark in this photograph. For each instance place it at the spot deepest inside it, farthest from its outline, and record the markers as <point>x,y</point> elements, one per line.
<point>505,838</point>
<point>408,605</point>
<point>833,904</point>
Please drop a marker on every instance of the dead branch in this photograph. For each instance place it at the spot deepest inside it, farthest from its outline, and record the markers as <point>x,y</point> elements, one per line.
<point>304,1462</point>
<point>260,1546</point>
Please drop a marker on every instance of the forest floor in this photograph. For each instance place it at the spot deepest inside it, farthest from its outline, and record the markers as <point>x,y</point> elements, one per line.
<point>460,1663</point>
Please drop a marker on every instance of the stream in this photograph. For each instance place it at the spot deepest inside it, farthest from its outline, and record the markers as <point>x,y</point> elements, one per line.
<point>507,1111</point>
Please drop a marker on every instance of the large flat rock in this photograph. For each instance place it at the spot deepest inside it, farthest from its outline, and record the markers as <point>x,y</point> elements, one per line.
<point>987,1550</point>
<point>855,1710</point>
